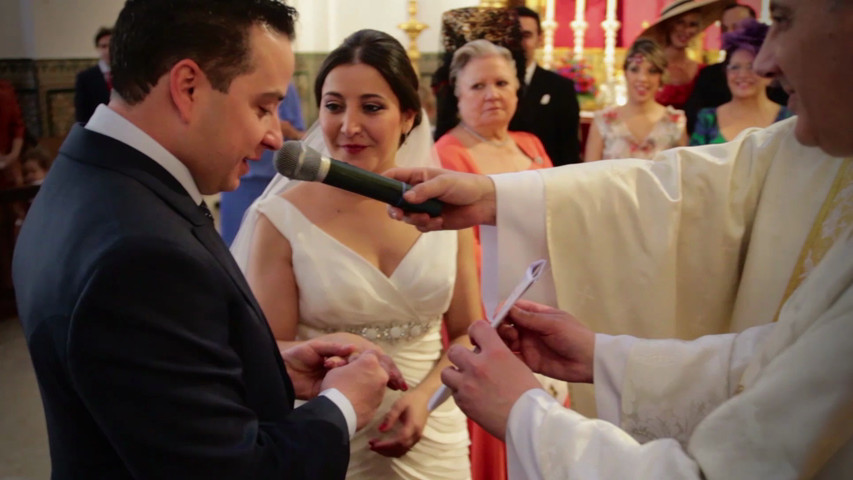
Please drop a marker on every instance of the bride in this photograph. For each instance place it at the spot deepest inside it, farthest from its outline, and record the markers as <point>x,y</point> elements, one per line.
<point>325,261</point>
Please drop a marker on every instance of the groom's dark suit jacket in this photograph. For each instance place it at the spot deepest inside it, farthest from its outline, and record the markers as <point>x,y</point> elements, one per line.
<point>153,358</point>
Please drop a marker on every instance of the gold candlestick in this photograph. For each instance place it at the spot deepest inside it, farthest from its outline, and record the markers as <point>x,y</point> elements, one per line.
<point>549,26</point>
<point>611,27</point>
<point>579,28</point>
<point>413,28</point>
<point>493,4</point>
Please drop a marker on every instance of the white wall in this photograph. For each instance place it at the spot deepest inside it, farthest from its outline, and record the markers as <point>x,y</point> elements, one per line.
<point>11,32</point>
<point>65,28</point>
<point>323,24</point>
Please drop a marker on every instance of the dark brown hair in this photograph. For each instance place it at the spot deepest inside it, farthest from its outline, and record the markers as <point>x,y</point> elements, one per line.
<point>151,36</point>
<point>385,54</point>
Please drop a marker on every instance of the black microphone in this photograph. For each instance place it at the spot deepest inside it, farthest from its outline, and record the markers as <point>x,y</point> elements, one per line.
<point>299,162</point>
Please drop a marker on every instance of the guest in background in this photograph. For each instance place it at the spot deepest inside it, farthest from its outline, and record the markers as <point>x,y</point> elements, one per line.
<point>483,78</point>
<point>458,27</point>
<point>11,141</point>
<point>35,163</point>
<point>548,106</point>
<point>233,204</point>
<point>679,23</point>
<point>93,85</point>
<point>711,88</point>
<point>749,106</point>
<point>642,127</point>
<point>11,135</point>
<point>482,75</point>
<point>393,285</point>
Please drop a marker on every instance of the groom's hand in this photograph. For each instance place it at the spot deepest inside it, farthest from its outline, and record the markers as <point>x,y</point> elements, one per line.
<point>308,362</point>
<point>361,344</point>
<point>362,381</point>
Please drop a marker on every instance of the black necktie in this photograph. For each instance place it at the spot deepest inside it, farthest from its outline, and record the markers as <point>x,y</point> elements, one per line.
<point>205,210</point>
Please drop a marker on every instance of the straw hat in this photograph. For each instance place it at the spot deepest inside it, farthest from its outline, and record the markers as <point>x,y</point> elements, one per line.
<point>709,12</point>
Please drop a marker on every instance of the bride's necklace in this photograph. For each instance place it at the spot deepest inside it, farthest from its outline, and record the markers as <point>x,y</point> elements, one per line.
<point>496,143</point>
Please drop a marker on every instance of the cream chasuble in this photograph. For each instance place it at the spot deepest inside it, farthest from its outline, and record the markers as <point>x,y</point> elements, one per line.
<point>793,419</point>
<point>703,240</point>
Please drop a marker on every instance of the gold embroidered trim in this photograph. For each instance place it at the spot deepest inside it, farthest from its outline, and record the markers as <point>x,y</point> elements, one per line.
<point>838,209</point>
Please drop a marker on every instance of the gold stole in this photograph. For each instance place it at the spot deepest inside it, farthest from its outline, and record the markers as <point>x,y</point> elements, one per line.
<point>834,218</point>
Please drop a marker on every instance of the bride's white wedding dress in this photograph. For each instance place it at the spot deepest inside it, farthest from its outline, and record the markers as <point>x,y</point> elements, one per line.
<point>340,291</point>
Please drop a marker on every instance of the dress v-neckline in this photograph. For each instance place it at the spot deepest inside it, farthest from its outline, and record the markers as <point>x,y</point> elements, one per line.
<point>642,142</point>
<point>347,248</point>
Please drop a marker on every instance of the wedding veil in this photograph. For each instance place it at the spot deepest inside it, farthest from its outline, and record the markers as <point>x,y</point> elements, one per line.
<point>418,150</point>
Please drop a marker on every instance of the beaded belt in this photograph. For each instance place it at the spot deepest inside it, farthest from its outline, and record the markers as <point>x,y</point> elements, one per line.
<point>388,333</point>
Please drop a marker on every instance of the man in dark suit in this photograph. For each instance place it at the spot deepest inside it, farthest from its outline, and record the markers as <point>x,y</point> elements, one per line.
<point>548,107</point>
<point>93,85</point>
<point>153,358</point>
<point>711,88</point>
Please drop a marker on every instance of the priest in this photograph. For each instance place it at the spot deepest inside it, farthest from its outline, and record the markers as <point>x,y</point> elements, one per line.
<point>751,237</point>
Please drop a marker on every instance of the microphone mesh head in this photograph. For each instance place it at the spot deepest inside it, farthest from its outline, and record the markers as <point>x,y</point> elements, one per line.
<point>298,162</point>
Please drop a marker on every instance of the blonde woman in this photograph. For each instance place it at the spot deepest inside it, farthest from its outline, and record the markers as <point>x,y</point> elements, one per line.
<point>642,127</point>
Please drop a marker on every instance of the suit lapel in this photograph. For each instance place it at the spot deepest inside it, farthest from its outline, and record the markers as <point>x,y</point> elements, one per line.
<point>531,89</point>
<point>212,241</point>
<point>93,148</point>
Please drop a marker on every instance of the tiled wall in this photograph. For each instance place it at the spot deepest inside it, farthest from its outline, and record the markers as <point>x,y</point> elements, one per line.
<point>45,91</point>
<point>46,88</point>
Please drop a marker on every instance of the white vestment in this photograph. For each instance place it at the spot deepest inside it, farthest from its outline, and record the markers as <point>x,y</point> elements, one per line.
<point>793,418</point>
<point>701,241</point>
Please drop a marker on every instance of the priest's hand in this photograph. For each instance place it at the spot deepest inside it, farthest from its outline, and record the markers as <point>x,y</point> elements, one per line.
<point>486,383</point>
<point>550,341</point>
<point>469,199</point>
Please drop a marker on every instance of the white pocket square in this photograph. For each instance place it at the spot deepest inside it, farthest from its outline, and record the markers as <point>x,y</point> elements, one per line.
<point>545,100</point>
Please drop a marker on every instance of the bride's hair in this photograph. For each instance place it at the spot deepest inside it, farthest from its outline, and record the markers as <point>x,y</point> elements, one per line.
<point>385,54</point>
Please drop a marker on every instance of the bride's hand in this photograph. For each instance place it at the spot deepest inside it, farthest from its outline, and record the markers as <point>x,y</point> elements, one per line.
<point>404,425</point>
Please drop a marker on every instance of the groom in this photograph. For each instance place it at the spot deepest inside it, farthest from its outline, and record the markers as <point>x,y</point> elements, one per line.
<point>153,358</point>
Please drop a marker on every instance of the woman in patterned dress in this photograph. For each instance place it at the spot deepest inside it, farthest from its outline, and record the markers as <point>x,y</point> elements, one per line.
<point>642,127</point>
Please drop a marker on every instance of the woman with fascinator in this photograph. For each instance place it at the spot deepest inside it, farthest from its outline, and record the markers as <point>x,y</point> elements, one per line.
<point>678,24</point>
<point>750,106</point>
<point>325,261</point>
<point>642,127</point>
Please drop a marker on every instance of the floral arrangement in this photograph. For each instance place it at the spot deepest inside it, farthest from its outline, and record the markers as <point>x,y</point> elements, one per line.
<point>580,72</point>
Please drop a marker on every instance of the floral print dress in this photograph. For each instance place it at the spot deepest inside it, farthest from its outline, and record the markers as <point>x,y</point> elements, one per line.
<point>619,142</point>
